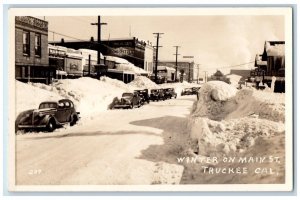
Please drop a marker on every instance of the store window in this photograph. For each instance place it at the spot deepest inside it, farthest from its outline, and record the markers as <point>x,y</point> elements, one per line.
<point>37,45</point>
<point>26,43</point>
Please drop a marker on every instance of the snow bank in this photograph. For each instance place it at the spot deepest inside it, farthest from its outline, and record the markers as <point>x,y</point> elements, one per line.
<point>212,97</point>
<point>90,96</point>
<point>224,119</point>
<point>143,82</point>
<point>30,97</point>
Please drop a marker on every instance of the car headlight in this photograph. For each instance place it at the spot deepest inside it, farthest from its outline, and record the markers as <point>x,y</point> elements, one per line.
<point>41,114</point>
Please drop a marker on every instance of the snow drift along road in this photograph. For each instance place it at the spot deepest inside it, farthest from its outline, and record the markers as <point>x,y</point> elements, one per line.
<point>224,119</point>
<point>89,95</point>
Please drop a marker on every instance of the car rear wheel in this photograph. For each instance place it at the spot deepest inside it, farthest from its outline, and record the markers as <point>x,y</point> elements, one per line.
<point>51,126</point>
<point>73,121</point>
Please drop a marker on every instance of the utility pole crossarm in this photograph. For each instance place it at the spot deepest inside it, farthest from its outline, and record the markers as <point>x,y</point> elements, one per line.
<point>99,24</point>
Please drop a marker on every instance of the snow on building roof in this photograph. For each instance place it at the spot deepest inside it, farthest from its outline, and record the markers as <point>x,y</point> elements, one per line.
<point>123,64</point>
<point>117,60</point>
<point>132,68</point>
<point>275,48</point>
<point>161,67</point>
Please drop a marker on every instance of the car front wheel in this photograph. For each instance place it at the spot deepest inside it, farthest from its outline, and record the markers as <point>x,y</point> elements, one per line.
<point>51,126</point>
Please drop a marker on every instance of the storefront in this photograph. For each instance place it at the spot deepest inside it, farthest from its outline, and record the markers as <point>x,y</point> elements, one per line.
<point>31,50</point>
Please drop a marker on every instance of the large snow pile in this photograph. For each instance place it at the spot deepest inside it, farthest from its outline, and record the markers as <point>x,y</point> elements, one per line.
<point>224,119</point>
<point>90,96</point>
<point>213,95</point>
<point>143,82</point>
<point>30,97</point>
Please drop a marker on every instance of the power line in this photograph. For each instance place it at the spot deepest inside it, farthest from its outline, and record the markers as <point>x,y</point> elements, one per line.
<point>72,37</point>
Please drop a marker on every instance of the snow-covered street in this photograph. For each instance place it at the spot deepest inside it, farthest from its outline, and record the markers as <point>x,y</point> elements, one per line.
<point>114,147</point>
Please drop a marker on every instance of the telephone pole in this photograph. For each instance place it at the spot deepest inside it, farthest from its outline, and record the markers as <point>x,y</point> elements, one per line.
<point>205,78</point>
<point>176,61</point>
<point>156,57</point>
<point>99,24</point>
<point>198,73</point>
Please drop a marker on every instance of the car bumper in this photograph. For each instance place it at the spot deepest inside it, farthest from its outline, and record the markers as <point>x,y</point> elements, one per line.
<point>31,126</point>
<point>122,106</point>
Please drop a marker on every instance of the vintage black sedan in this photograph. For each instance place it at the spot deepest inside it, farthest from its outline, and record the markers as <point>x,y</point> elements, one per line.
<point>49,116</point>
<point>154,95</point>
<point>144,95</point>
<point>195,90</point>
<point>128,100</point>
<point>187,91</point>
<point>162,94</point>
<point>170,92</point>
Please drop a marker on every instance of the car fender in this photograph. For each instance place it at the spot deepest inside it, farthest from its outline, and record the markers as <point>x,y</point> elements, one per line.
<point>74,115</point>
<point>47,118</point>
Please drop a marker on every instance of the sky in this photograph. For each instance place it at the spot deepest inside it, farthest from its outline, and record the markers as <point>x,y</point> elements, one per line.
<point>216,42</point>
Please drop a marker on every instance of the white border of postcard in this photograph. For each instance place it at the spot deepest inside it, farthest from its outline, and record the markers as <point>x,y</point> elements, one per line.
<point>285,11</point>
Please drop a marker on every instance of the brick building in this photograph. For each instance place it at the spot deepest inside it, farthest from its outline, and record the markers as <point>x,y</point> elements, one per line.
<point>31,50</point>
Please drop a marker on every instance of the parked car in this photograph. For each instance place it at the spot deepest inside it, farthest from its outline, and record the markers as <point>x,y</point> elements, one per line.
<point>170,92</point>
<point>162,94</point>
<point>50,115</point>
<point>144,95</point>
<point>195,90</point>
<point>187,91</point>
<point>154,95</point>
<point>129,100</point>
<point>166,93</point>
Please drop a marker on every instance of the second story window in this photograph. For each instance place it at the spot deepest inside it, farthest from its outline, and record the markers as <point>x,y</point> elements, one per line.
<point>37,45</point>
<point>26,43</point>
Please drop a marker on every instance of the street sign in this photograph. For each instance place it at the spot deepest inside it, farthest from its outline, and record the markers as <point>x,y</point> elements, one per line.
<point>187,56</point>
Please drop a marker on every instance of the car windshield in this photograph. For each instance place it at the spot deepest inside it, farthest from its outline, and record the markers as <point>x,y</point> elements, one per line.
<point>127,95</point>
<point>48,105</point>
<point>188,89</point>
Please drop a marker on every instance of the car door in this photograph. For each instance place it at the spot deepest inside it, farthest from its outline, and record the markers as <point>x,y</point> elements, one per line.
<point>68,111</point>
<point>135,99</point>
<point>60,113</point>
